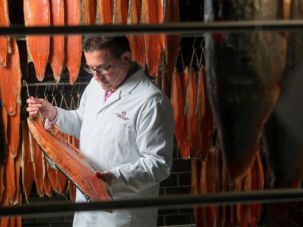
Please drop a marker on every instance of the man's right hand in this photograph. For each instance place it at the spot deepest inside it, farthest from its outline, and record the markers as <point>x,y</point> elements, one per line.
<point>36,106</point>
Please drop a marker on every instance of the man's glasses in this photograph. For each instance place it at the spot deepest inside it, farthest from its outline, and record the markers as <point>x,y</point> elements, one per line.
<point>98,69</point>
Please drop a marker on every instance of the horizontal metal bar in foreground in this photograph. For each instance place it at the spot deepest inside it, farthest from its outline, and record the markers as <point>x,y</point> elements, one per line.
<point>224,198</point>
<point>176,28</point>
<point>49,83</point>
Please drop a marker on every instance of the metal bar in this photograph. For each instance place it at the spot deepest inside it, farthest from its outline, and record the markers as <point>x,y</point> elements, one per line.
<point>224,198</point>
<point>177,28</point>
<point>39,84</point>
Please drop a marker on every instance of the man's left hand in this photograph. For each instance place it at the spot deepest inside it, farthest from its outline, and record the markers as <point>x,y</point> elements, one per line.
<point>105,176</point>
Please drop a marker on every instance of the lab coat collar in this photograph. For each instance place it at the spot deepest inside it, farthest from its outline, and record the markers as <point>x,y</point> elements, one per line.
<point>125,88</point>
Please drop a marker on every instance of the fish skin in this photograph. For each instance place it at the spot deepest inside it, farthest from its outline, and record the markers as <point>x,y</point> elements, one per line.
<point>285,155</point>
<point>243,80</point>
<point>37,13</point>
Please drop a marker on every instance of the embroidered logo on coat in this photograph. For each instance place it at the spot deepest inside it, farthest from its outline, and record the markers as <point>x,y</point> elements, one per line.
<point>122,115</point>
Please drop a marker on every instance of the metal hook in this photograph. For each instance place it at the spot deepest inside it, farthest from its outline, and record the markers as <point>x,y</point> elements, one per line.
<point>27,89</point>
<point>54,101</point>
<point>182,59</point>
<point>44,93</point>
<point>78,96</point>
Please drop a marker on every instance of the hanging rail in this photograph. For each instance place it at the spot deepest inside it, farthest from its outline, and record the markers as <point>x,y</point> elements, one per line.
<point>222,198</point>
<point>178,28</point>
<point>39,84</point>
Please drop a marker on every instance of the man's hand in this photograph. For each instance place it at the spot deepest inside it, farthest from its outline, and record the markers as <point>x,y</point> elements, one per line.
<point>36,106</point>
<point>105,176</point>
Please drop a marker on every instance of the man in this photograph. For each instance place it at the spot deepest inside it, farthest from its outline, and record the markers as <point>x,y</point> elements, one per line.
<point>125,126</point>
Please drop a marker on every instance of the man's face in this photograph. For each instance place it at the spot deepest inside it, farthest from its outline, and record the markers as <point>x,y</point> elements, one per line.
<point>107,70</point>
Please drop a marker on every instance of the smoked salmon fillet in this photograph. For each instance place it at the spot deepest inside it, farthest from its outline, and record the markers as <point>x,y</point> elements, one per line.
<point>70,161</point>
<point>4,40</point>
<point>10,80</point>
<point>73,42</point>
<point>89,8</point>
<point>104,12</point>
<point>38,165</point>
<point>57,42</point>
<point>37,13</point>
<point>120,11</point>
<point>136,42</point>
<point>153,13</point>
<point>13,132</point>
<point>26,164</point>
<point>178,102</point>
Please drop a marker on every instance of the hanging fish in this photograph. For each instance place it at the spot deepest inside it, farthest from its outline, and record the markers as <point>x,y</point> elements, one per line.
<point>244,72</point>
<point>57,42</point>
<point>178,103</point>
<point>4,40</point>
<point>13,132</point>
<point>285,155</point>
<point>120,11</point>
<point>89,12</point>
<point>104,12</point>
<point>26,163</point>
<point>38,165</point>
<point>73,42</point>
<point>10,80</point>
<point>172,46</point>
<point>192,121</point>
<point>37,13</point>
<point>153,13</point>
<point>3,140</point>
<point>136,42</point>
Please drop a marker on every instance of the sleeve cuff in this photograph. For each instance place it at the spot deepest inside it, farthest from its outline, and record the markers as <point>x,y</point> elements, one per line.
<point>48,123</point>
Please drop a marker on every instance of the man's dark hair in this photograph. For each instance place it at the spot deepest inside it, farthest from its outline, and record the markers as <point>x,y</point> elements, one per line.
<point>116,45</point>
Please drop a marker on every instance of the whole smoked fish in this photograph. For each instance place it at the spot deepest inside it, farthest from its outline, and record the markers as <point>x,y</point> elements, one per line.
<point>244,71</point>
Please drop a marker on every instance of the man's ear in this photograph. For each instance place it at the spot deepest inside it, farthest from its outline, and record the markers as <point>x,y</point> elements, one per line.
<point>126,58</point>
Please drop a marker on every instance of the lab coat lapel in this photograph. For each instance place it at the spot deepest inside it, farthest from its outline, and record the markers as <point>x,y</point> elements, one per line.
<point>126,88</point>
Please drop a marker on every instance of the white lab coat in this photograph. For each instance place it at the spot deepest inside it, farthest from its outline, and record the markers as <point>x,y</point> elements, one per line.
<point>131,135</point>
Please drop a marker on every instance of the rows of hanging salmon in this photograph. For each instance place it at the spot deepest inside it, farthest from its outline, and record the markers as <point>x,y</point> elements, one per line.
<point>223,112</point>
<point>156,52</point>
<point>23,166</point>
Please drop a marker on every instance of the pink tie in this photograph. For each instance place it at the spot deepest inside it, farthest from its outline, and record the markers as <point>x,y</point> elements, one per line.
<point>108,94</point>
